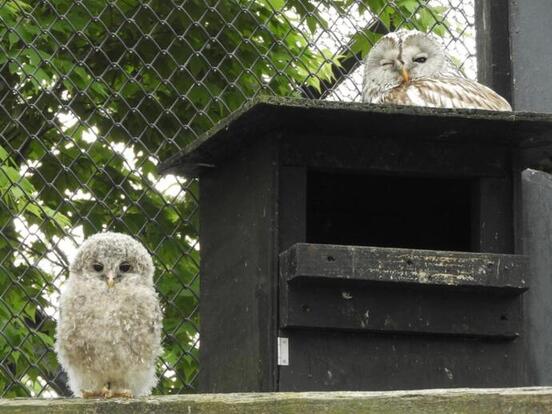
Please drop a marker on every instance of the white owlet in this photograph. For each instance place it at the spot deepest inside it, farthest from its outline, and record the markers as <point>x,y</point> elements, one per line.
<point>108,335</point>
<point>409,67</point>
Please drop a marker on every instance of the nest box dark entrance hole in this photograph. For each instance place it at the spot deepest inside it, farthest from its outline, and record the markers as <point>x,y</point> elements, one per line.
<point>389,211</point>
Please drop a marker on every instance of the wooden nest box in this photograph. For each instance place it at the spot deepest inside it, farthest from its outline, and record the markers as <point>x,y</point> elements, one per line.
<point>361,247</point>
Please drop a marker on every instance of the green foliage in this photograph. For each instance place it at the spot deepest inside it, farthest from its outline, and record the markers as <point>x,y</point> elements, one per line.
<point>26,334</point>
<point>19,196</point>
<point>399,14</point>
<point>140,81</point>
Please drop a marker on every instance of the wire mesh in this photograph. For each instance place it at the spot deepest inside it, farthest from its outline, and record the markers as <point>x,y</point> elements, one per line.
<point>94,93</point>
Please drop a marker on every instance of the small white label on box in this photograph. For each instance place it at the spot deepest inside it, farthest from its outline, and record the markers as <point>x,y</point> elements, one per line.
<point>283,351</point>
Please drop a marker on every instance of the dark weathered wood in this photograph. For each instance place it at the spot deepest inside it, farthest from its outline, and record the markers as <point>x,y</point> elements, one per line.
<point>498,273</point>
<point>494,65</point>
<point>292,206</point>
<point>536,154</point>
<point>429,157</point>
<point>339,361</point>
<point>238,259</point>
<point>275,173</point>
<point>316,118</point>
<point>399,310</point>
<point>492,215</point>
<point>395,291</point>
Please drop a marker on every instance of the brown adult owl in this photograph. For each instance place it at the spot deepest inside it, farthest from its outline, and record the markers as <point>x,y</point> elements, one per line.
<point>409,67</point>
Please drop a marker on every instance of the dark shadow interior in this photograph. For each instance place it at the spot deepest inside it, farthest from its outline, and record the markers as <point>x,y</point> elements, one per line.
<point>389,211</point>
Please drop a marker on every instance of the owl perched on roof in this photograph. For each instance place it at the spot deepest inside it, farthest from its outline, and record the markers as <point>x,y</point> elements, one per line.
<point>108,335</point>
<point>409,67</point>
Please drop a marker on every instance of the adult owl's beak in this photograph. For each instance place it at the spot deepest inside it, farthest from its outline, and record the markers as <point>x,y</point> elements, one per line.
<point>110,279</point>
<point>405,75</point>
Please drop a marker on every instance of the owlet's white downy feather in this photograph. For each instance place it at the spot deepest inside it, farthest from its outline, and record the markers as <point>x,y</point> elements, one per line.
<point>409,67</point>
<point>109,331</point>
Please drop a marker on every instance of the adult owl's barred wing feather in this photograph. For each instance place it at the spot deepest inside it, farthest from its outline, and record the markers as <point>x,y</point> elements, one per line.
<point>446,92</point>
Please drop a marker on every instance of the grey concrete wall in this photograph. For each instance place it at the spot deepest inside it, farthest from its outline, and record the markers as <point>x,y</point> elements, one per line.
<point>537,244</point>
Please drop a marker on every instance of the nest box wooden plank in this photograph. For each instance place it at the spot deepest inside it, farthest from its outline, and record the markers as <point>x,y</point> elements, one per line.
<point>361,247</point>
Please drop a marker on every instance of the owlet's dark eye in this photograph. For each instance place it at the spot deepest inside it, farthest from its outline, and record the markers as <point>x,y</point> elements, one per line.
<point>420,59</point>
<point>98,267</point>
<point>125,267</point>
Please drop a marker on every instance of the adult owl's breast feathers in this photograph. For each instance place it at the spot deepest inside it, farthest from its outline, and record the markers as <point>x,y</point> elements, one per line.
<point>446,92</point>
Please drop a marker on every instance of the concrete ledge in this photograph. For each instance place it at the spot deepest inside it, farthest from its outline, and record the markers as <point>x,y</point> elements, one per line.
<point>457,401</point>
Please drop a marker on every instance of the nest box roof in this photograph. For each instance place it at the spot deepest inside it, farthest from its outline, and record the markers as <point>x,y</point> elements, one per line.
<point>344,119</point>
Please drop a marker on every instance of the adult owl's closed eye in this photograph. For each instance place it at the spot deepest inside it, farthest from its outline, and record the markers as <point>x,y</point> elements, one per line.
<point>108,335</point>
<point>409,67</point>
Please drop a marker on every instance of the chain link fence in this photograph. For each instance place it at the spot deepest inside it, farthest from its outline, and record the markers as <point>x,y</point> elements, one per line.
<point>93,94</point>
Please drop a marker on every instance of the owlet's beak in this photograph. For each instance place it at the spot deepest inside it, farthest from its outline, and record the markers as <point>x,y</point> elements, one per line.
<point>110,279</point>
<point>405,75</point>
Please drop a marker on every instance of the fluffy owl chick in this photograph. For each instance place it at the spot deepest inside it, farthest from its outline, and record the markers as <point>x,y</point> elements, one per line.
<point>109,331</point>
<point>409,67</point>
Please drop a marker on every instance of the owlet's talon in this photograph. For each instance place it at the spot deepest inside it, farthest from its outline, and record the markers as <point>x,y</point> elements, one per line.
<point>106,391</point>
<point>122,394</point>
<point>93,394</point>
